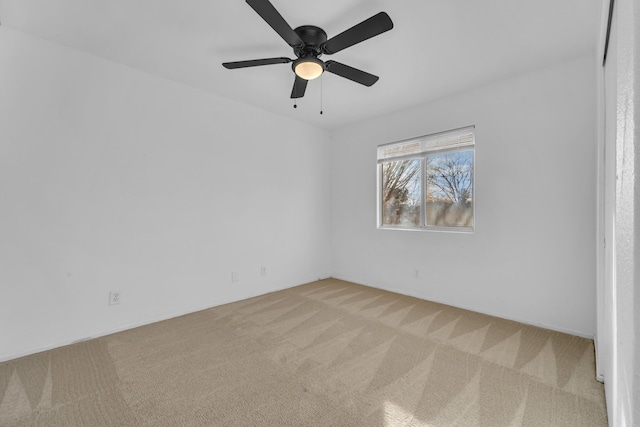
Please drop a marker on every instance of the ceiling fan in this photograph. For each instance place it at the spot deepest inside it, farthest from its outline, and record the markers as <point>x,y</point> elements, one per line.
<point>310,42</point>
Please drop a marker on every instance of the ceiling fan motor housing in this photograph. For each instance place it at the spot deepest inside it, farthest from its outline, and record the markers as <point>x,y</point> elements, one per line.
<point>313,38</point>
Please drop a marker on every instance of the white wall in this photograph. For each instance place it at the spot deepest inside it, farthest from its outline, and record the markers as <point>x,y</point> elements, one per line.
<point>627,214</point>
<point>620,296</point>
<point>112,179</point>
<point>606,339</point>
<point>532,255</point>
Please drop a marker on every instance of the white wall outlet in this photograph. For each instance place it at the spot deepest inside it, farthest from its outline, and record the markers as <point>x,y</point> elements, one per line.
<point>235,276</point>
<point>114,297</point>
<point>416,274</point>
<point>263,271</point>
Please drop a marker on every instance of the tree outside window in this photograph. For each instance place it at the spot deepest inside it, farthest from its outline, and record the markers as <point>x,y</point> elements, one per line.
<point>401,192</point>
<point>450,189</point>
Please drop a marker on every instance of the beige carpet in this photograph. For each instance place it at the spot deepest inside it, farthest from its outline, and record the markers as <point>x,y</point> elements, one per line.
<point>329,353</point>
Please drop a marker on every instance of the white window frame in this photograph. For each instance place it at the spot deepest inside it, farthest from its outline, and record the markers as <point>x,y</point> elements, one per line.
<point>461,139</point>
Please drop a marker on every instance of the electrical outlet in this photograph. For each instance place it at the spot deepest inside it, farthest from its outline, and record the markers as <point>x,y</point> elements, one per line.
<point>263,271</point>
<point>114,297</point>
<point>234,276</point>
<point>416,274</point>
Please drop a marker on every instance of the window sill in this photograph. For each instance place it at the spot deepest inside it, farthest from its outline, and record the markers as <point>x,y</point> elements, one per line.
<point>459,230</point>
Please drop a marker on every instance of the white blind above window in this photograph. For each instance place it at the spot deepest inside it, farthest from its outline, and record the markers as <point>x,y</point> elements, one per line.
<point>424,144</point>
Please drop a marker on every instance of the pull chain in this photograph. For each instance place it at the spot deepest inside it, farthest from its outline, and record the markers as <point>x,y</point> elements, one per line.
<point>321,93</point>
<point>295,100</point>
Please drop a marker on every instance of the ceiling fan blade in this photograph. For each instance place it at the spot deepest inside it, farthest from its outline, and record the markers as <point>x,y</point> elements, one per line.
<point>368,28</point>
<point>299,87</point>
<point>255,63</point>
<point>265,9</point>
<point>350,73</point>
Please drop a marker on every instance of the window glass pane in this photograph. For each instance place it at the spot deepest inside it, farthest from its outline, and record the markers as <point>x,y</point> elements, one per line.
<point>450,189</point>
<point>401,193</point>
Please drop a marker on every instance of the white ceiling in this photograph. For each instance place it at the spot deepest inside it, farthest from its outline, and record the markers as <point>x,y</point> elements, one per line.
<point>437,47</point>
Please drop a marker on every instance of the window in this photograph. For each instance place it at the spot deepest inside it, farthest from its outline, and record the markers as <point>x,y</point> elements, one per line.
<point>427,182</point>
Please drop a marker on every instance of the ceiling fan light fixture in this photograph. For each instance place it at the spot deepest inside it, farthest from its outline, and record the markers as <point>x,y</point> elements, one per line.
<point>308,68</point>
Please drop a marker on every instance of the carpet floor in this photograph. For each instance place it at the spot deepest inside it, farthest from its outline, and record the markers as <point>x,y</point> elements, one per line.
<point>329,353</point>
